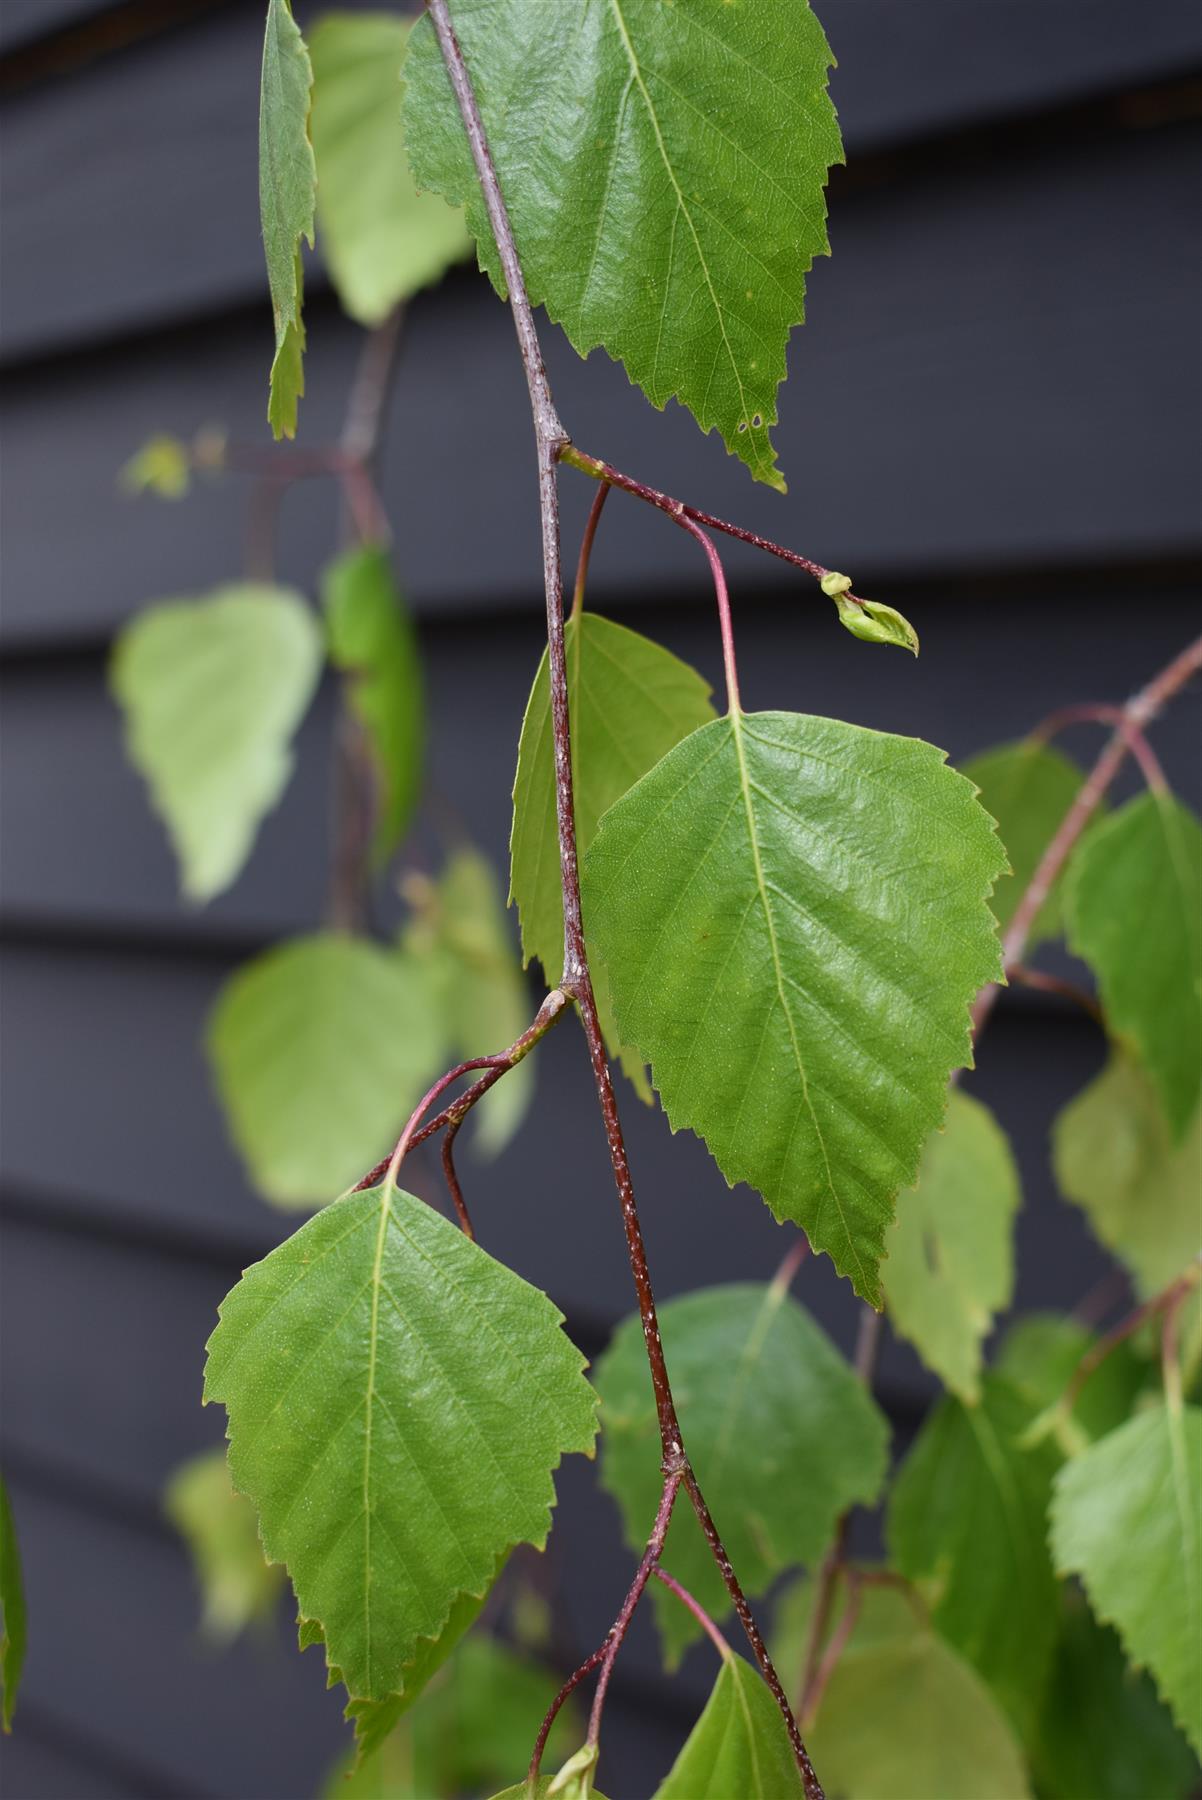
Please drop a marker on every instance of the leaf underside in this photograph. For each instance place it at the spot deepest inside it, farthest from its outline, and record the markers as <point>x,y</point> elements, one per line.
<point>320,1049</point>
<point>212,691</point>
<point>671,224</point>
<point>397,1403</point>
<point>791,913</point>
<point>1134,906</point>
<point>382,240</point>
<point>1127,1518</point>
<point>951,1254</point>
<point>630,701</point>
<point>782,1434</point>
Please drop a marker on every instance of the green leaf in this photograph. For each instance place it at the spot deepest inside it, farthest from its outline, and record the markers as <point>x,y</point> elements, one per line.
<point>874,622</point>
<point>212,691</point>
<point>669,219</point>
<point>320,1050</point>
<point>1039,1356</point>
<point>1102,1734</point>
<point>381,238</point>
<point>1028,788</point>
<point>631,701</point>
<point>791,913</point>
<point>951,1253</point>
<point>1127,1518</point>
<point>739,1745</point>
<point>376,1721</point>
<point>1134,906</point>
<point>460,931</point>
<point>782,1434</point>
<point>13,1629</point>
<point>540,1791</point>
<point>163,466</point>
<point>966,1520</point>
<point>372,640</point>
<point>904,1715</point>
<point>287,186</point>
<point>238,1586</point>
<point>1114,1156</point>
<point>373,1367</point>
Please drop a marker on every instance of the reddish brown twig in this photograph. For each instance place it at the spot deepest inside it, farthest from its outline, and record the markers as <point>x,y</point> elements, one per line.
<point>695,1607</point>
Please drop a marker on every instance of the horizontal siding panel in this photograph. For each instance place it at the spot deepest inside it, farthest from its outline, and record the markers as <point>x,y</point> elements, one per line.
<point>992,374</point>
<point>129,187</point>
<point>993,662</point>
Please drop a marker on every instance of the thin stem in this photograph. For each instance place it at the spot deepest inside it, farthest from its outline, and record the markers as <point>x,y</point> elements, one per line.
<point>835,1649</point>
<point>552,1008</point>
<point>569,1687</point>
<point>1142,707</point>
<point>586,547</point>
<point>1043,983</point>
<point>698,1611</point>
<point>790,1262</point>
<point>1170,1358</point>
<point>621,1624</point>
<point>551,439</point>
<point>723,599</point>
<point>452,1179</point>
<point>679,509</point>
<point>1166,1301</point>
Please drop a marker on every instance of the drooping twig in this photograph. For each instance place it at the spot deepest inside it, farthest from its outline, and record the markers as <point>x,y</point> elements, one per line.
<point>1137,712</point>
<point>695,1607</point>
<point>621,1624</point>
<point>550,440</point>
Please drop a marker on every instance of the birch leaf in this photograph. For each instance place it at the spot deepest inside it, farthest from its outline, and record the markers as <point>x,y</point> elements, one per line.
<point>739,1745</point>
<point>287,189</point>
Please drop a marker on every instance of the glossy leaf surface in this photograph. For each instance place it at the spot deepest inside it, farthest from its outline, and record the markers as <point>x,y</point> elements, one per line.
<point>670,222</point>
<point>782,1434</point>
<point>287,188</point>
<point>967,1521</point>
<point>1134,907</point>
<point>630,701</point>
<point>212,691</point>
<point>1114,1156</point>
<point>320,1050</point>
<point>14,1628</point>
<point>739,1745</point>
<point>382,240</point>
<point>371,639</point>
<point>238,1586</point>
<point>460,931</point>
<point>1028,788</point>
<point>791,914</point>
<point>372,1367</point>
<point>951,1253</point>
<point>1127,1519</point>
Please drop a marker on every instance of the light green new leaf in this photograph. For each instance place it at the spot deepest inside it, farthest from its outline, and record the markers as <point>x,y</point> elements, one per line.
<point>1127,1518</point>
<point>540,1791</point>
<point>1039,1356</point>
<point>1114,1156</point>
<point>162,466</point>
<point>382,240</point>
<point>903,1715</point>
<point>631,701</point>
<point>212,691</point>
<point>320,1050</point>
<point>238,1586</point>
<point>1134,905</point>
<point>13,1627</point>
<point>1028,788</point>
<point>782,1434</point>
<point>676,234</point>
<point>967,1521</point>
<point>397,1403</point>
<point>287,187</point>
<point>460,931</point>
<point>372,640</point>
<point>739,1745</point>
<point>1102,1734</point>
<point>875,623</point>
<point>951,1253</point>
<point>791,914</point>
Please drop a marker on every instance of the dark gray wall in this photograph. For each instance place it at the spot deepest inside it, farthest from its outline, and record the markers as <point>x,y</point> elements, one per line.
<point>991,418</point>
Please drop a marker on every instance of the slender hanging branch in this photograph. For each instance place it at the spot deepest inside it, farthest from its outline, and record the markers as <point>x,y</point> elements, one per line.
<point>1141,708</point>
<point>550,440</point>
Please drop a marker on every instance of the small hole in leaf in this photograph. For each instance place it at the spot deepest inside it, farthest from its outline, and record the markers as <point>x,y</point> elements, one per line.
<point>742,425</point>
<point>757,421</point>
